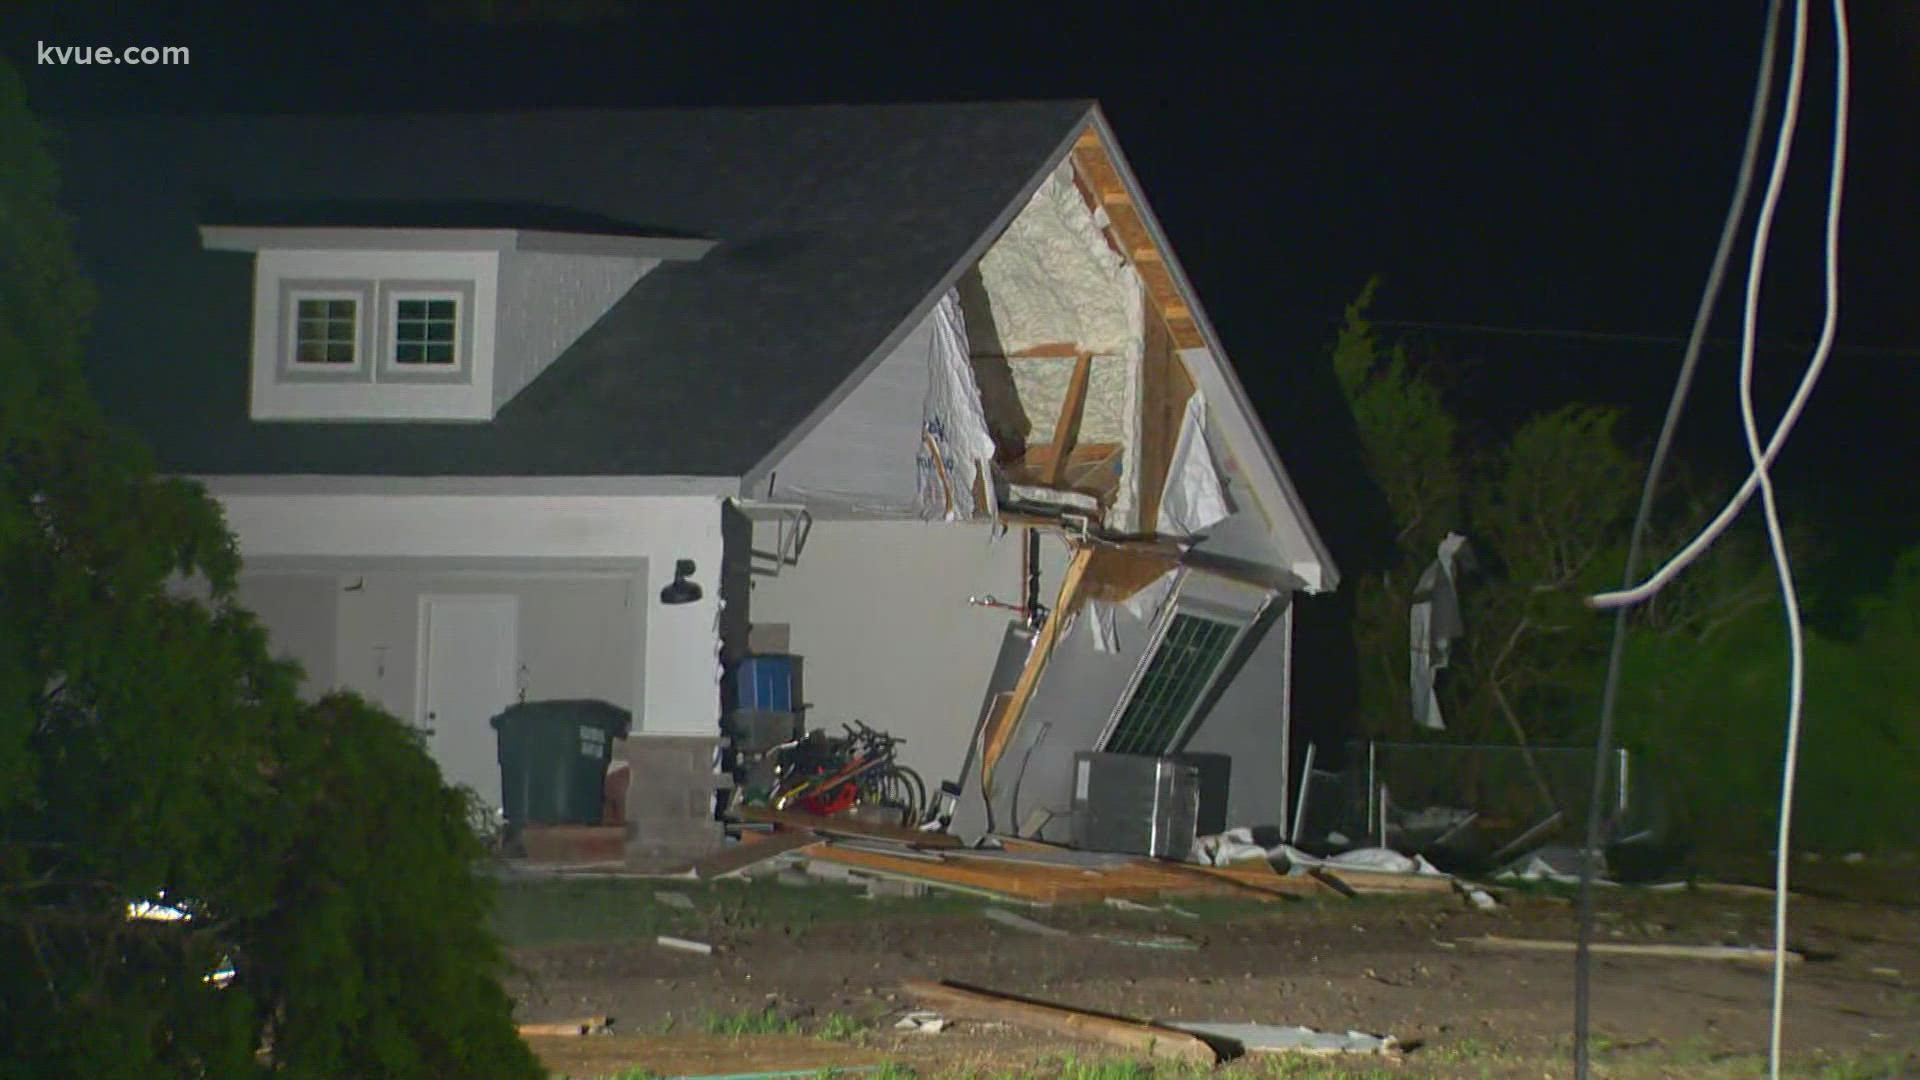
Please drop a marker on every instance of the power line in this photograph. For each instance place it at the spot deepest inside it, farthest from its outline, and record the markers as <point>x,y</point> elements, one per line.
<point>1893,352</point>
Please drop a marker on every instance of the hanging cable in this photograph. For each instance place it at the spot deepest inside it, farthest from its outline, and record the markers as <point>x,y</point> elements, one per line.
<point>1762,459</point>
<point>1703,316</point>
<point>1776,537</point>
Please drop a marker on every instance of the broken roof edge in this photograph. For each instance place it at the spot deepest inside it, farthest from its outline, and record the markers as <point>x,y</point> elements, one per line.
<point>762,471</point>
<point>1268,475</point>
<point>254,238</point>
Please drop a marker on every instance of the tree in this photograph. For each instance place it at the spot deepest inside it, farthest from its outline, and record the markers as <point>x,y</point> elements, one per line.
<point>1546,512</point>
<point>1407,440</point>
<point>152,749</point>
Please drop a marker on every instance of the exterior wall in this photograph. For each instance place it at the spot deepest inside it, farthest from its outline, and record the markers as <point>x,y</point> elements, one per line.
<point>879,610</point>
<point>864,455</point>
<point>300,612</point>
<point>578,632</point>
<point>675,676</point>
<point>1248,721</point>
<point>1069,708</point>
<point>547,301</point>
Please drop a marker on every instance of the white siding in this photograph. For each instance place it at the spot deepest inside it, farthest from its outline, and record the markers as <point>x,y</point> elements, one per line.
<point>676,677</point>
<point>879,610</point>
<point>546,302</point>
<point>864,455</point>
<point>299,612</point>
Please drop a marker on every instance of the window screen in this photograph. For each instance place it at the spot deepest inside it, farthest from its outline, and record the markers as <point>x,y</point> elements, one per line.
<point>1181,670</point>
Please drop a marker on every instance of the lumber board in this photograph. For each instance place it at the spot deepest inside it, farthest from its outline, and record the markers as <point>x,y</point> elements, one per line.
<point>1653,950</point>
<point>1066,431</point>
<point>735,859</point>
<point>1116,574</point>
<point>1166,1044</point>
<point>1046,350</point>
<point>996,882</point>
<point>846,826</point>
<point>590,1025</point>
<point>1000,730</point>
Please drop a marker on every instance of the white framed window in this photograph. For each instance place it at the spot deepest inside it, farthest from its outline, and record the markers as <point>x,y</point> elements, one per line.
<point>327,331</point>
<point>424,331</point>
<point>1195,639</point>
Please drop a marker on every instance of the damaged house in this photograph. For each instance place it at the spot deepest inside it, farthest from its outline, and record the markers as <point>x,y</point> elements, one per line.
<point>594,405</point>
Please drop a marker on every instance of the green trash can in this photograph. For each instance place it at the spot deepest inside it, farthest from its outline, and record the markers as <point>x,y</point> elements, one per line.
<point>553,760</point>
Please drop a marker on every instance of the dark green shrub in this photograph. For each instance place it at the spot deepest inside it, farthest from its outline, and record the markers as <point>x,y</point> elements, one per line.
<point>151,747</point>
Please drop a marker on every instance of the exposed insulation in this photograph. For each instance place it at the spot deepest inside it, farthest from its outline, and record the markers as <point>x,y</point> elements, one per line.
<point>1041,386</point>
<point>1052,277</point>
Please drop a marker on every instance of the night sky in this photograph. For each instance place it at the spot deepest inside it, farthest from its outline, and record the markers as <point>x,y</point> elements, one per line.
<point>1545,167</point>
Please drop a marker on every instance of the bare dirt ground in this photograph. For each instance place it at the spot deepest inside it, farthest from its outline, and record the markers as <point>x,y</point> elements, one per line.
<point>820,958</point>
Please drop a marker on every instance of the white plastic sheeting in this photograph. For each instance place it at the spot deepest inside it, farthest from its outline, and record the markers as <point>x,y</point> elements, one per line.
<point>1194,499</point>
<point>955,446</point>
<point>1145,607</point>
<point>1433,623</point>
<point>1237,845</point>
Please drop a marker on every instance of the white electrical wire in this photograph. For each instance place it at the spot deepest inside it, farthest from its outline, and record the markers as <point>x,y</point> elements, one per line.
<point>1762,458</point>
<point>1763,461</point>
<point>1775,537</point>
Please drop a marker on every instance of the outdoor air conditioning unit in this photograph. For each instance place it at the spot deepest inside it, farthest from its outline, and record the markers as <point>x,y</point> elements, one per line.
<point>1147,805</point>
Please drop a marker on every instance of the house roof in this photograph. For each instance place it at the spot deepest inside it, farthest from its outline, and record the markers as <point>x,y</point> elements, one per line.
<point>833,224</point>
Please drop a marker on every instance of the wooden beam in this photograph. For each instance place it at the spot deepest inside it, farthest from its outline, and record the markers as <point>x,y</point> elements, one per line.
<point>845,826</point>
<point>1165,387</point>
<point>1736,953</point>
<point>1167,1044</point>
<point>1067,430</point>
<point>1000,728</point>
<point>1049,350</point>
<point>1116,574</point>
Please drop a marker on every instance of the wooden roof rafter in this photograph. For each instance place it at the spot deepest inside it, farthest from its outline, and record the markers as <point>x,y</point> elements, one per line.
<point>1101,185</point>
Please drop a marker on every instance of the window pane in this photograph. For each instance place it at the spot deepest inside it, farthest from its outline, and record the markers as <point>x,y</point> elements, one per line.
<point>440,309</point>
<point>439,354</point>
<point>440,331</point>
<point>412,309</point>
<point>340,354</point>
<point>310,353</point>
<point>1177,677</point>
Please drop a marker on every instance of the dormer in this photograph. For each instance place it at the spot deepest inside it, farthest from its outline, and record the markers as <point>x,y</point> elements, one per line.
<point>423,323</point>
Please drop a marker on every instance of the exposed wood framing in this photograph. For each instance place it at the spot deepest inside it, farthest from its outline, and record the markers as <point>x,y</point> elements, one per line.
<point>1165,387</point>
<point>1047,350</point>
<point>1127,231</point>
<point>1116,574</point>
<point>1001,726</point>
<point>1067,431</point>
<point>1091,469</point>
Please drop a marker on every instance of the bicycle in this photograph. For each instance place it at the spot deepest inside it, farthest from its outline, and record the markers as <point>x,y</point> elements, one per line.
<point>823,775</point>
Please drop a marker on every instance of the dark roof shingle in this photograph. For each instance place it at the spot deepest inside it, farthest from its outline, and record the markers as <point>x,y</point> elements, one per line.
<point>833,223</point>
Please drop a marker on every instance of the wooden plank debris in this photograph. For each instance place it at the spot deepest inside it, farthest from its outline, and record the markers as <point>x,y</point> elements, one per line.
<point>590,1025</point>
<point>733,860</point>
<point>1001,727</point>
<point>1163,1043</point>
<point>1736,953</point>
<point>840,825</point>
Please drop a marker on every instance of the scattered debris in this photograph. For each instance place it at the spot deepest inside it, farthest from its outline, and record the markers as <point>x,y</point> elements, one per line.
<point>1278,1039</point>
<point>591,1025</point>
<point>1557,864</point>
<point>1169,942</point>
<point>684,945</point>
<point>922,1022</point>
<point>1021,922</point>
<point>681,901</point>
<point>1152,1040</point>
<point>1477,896</point>
<point>1121,903</point>
<point>1887,972</point>
<point>750,853</point>
<point>1738,953</point>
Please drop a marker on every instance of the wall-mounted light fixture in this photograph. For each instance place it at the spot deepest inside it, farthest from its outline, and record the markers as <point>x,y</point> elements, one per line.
<point>682,589</point>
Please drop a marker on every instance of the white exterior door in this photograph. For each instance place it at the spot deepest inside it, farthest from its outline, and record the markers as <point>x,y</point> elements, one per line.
<point>469,655</point>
